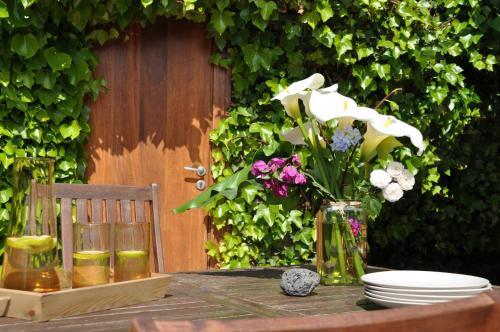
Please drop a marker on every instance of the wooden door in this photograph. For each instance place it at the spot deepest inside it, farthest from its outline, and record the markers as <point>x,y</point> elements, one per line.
<point>163,98</point>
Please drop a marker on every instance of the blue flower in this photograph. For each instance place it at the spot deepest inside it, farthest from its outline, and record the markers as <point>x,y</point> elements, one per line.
<point>343,139</point>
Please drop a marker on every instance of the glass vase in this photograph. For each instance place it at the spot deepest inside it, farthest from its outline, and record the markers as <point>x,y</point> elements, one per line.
<point>30,259</point>
<point>341,243</point>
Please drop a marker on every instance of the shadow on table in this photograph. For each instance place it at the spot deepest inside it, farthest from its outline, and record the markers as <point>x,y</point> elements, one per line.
<point>256,272</point>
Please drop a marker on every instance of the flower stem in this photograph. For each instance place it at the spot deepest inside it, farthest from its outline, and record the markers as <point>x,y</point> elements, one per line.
<point>315,152</point>
<point>340,249</point>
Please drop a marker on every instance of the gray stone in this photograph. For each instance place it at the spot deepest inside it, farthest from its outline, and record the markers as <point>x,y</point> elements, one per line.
<point>299,282</point>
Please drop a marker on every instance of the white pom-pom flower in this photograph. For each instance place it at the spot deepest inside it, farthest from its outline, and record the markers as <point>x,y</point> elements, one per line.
<point>380,178</point>
<point>406,180</point>
<point>395,169</point>
<point>392,192</point>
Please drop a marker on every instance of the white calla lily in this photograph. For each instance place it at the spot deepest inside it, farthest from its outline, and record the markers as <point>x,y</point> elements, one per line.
<point>383,126</point>
<point>296,137</point>
<point>327,106</point>
<point>289,97</point>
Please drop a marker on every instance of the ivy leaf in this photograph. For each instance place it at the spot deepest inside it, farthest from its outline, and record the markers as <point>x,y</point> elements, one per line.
<point>325,10</point>
<point>5,77</point>
<point>146,3</point>
<point>70,130</point>
<point>24,45</point>
<point>57,60</point>
<point>4,12</point>
<point>311,18</point>
<point>495,24</point>
<point>324,35</point>
<point>27,3</point>
<point>222,20</point>
<point>266,8</point>
<point>256,57</point>
<point>80,15</point>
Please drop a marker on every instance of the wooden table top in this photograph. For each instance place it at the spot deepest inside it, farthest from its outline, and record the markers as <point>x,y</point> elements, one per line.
<point>223,294</point>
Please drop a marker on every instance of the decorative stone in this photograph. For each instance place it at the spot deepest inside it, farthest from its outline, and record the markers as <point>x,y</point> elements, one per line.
<point>299,282</point>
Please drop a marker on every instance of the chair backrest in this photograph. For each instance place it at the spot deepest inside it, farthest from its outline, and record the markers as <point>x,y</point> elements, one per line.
<point>108,204</point>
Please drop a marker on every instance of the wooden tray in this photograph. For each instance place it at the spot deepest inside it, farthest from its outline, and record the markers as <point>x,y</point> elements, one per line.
<point>69,302</point>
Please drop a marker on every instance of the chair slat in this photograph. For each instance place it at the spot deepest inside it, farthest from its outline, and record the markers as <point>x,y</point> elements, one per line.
<point>139,211</point>
<point>81,210</point>
<point>96,211</point>
<point>111,219</point>
<point>67,233</point>
<point>125,209</point>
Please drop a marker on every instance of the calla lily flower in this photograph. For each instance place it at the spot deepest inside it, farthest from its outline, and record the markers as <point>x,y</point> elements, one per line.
<point>306,96</point>
<point>325,107</point>
<point>295,136</point>
<point>289,97</point>
<point>383,126</point>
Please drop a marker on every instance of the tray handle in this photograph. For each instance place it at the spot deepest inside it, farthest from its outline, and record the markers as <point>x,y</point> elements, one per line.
<point>4,303</point>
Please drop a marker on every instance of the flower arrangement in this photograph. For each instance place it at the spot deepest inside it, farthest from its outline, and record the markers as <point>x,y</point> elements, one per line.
<point>343,140</point>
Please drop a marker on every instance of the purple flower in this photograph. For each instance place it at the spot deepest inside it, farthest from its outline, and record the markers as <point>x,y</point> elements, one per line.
<point>355,226</point>
<point>259,167</point>
<point>276,163</point>
<point>289,173</point>
<point>268,183</point>
<point>300,179</point>
<point>280,189</point>
<point>296,159</point>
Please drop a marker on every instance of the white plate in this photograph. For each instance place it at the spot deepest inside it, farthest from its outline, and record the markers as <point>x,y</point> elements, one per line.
<point>391,298</point>
<point>444,292</point>
<point>423,280</point>
<point>416,297</point>
<point>393,304</point>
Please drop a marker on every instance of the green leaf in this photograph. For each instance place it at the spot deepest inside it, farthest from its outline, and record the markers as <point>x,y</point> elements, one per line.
<point>57,60</point>
<point>266,8</point>
<point>325,10</point>
<point>24,45</point>
<point>227,188</point>
<point>5,195</point>
<point>364,52</point>
<point>146,3</point>
<point>5,77</point>
<point>324,35</point>
<point>256,57</point>
<point>70,130</point>
<point>4,12</point>
<point>221,20</point>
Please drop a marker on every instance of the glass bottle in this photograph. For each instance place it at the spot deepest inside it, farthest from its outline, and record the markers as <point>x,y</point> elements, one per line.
<point>30,259</point>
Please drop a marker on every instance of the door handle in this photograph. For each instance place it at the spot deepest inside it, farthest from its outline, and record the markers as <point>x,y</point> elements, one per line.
<point>200,170</point>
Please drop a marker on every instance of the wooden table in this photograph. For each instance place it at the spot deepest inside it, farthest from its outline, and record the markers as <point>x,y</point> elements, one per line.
<point>226,294</point>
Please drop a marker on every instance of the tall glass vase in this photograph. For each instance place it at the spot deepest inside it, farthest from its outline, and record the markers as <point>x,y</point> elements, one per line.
<point>30,260</point>
<point>341,243</point>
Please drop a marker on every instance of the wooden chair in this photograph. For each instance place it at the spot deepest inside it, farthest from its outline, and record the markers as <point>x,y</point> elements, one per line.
<point>479,313</point>
<point>110,204</point>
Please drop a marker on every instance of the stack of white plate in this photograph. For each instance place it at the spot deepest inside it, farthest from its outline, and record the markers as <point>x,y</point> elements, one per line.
<point>404,288</point>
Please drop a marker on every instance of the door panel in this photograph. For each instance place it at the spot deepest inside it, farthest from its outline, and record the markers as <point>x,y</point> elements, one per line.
<point>155,119</point>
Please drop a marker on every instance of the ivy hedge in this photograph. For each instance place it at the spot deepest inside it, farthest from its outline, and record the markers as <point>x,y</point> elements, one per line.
<point>442,54</point>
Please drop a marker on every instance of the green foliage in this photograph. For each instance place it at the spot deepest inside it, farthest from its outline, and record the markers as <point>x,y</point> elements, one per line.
<point>443,55</point>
